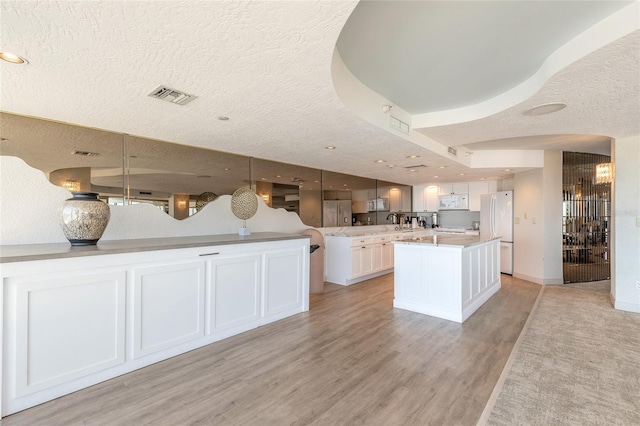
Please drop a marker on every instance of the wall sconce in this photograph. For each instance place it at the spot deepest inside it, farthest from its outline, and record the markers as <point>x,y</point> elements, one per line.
<point>182,204</point>
<point>265,198</point>
<point>386,108</point>
<point>71,185</point>
<point>604,173</point>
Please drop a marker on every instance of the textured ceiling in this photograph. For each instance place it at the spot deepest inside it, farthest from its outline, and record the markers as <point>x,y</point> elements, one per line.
<point>265,65</point>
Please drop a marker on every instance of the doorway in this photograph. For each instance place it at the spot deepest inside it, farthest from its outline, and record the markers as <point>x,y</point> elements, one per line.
<point>586,206</point>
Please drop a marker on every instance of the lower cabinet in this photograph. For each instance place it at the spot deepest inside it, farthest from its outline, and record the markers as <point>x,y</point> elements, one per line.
<point>168,306</point>
<point>62,329</point>
<point>350,260</point>
<point>233,292</point>
<point>70,324</point>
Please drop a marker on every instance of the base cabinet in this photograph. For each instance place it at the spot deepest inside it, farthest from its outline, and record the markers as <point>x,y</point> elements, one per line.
<point>350,260</point>
<point>168,306</point>
<point>67,327</point>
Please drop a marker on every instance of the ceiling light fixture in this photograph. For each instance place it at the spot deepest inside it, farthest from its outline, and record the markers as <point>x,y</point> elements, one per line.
<point>13,58</point>
<point>330,147</point>
<point>547,108</point>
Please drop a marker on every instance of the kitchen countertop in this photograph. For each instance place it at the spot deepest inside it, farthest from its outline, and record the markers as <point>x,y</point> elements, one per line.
<point>448,240</point>
<point>28,252</point>
<point>364,234</point>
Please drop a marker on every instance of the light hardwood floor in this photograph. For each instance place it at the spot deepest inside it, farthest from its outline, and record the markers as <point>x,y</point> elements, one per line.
<point>352,359</point>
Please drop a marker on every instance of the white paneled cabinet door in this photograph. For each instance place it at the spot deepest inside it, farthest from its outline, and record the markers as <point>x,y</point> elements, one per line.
<point>475,190</point>
<point>233,289</point>
<point>367,259</point>
<point>377,257</point>
<point>356,261</point>
<point>387,255</point>
<point>283,281</point>
<point>64,329</point>
<point>419,201</point>
<point>168,306</point>
<point>431,198</point>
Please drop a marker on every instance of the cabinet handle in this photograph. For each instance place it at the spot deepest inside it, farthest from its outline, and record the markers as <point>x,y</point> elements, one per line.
<point>363,247</point>
<point>209,254</point>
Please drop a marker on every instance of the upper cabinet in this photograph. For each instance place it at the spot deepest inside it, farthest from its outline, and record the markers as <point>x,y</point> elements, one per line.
<point>425,198</point>
<point>453,188</point>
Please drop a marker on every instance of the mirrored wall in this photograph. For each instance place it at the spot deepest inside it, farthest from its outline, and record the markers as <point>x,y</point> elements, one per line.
<point>180,179</point>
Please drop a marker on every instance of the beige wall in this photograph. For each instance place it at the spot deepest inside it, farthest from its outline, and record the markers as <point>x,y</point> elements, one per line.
<point>625,256</point>
<point>538,235</point>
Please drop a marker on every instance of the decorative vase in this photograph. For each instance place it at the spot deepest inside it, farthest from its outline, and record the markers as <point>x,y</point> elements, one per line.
<point>84,218</point>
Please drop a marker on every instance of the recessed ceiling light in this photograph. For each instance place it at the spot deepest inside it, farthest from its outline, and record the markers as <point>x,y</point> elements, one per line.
<point>461,174</point>
<point>391,166</point>
<point>344,184</point>
<point>226,169</point>
<point>483,178</point>
<point>443,167</point>
<point>316,181</point>
<point>263,178</point>
<point>379,161</point>
<point>278,176</point>
<point>223,118</point>
<point>330,186</point>
<point>547,108</point>
<point>412,170</point>
<point>507,170</point>
<point>413,156</point>
<point>330,147</point>
<point>14,59</point>
<point>436,176</point>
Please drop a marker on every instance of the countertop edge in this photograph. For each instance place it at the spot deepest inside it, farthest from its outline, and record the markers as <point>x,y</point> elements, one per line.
<point>51,251</point>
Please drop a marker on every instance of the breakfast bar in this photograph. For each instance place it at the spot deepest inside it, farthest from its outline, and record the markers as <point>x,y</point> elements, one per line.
<point>446,276</point>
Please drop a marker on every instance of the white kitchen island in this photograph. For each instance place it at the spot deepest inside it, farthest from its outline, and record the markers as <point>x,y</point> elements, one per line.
<point>446,276</point>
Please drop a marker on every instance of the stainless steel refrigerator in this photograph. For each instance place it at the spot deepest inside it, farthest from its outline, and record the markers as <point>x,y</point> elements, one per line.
<point>336,213</point>
<point>496,219</point>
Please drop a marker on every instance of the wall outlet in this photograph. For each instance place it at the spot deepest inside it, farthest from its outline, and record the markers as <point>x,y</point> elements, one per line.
<point>533,220</point>
<point>516,221</point>
<point>525,215</point>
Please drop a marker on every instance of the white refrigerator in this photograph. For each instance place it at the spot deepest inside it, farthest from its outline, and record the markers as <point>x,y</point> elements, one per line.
<point>496,219</point>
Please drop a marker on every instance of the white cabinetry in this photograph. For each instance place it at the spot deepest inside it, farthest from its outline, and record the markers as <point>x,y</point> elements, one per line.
<point>62,328</point>
<point>168,306</point>
<point>425,198</point>
<point>233,288</point>
<point>69,325</point>
<point>453,188</point>
<point>350,260</point>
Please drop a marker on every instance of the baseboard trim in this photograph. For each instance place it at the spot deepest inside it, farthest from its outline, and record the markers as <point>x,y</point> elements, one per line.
<point>537,280</point>
<point>626,306</point>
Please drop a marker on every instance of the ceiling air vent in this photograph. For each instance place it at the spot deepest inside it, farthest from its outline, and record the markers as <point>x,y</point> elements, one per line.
<point>453,151</point>
<point>84,153</point>
<point>168,94</point>
<point>399,125</point>
<point>415,167</point>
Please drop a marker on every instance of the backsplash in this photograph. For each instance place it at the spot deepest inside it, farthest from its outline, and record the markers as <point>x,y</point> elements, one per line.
<point>458,219</point>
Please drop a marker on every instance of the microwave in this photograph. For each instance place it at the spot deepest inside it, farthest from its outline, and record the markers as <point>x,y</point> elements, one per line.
<point>379,205</point>
<point>453,202</point>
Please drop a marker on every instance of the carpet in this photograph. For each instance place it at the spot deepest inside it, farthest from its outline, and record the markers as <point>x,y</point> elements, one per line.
<point>577,362</point>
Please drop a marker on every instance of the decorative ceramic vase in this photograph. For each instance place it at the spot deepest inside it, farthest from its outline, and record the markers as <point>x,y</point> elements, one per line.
<point>84,218</point>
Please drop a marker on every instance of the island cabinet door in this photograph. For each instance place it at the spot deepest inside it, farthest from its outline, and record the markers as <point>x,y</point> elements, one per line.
<point>377,257</point>
<point>387,255</point>
<point>168,306</point>
<point>356,261</point>
<point>233,292</point>
<point>60,328</point>
<point>284,282</point>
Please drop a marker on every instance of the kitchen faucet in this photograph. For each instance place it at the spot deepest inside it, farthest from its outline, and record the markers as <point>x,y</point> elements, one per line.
<point>394,217</point>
